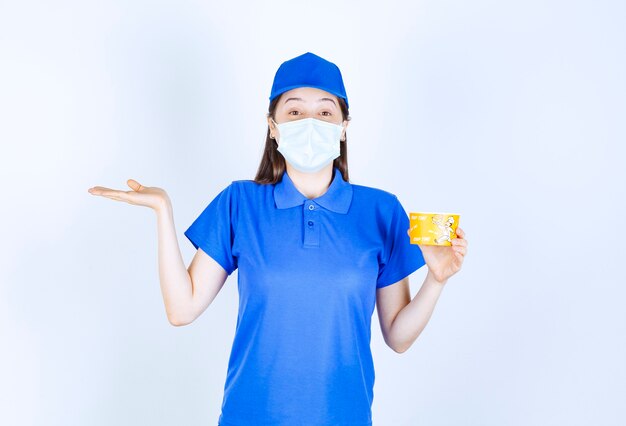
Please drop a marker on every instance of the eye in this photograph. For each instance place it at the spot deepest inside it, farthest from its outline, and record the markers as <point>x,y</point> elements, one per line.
<point>290,112</point>
<point>326,112</point>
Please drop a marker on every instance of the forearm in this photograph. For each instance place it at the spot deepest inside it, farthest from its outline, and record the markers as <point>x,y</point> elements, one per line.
<point>176,285</point>
<point>412,319</point>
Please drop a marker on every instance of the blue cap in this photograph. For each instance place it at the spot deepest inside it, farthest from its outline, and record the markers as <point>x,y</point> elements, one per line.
<point>308,70</point>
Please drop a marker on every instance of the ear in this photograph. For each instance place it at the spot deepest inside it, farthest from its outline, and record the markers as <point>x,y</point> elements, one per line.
<point>272,128</point>
<point>343,132</point>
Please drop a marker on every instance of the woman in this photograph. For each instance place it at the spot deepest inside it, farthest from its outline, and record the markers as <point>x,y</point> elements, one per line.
<point>315,253</point>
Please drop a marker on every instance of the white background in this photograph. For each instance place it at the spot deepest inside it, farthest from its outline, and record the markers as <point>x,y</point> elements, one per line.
<point>509,113</point>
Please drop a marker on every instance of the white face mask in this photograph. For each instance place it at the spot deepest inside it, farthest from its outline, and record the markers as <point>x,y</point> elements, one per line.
<point>309,144</point>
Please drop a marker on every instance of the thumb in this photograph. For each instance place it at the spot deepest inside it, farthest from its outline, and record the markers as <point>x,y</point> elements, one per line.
<point>134,185</point>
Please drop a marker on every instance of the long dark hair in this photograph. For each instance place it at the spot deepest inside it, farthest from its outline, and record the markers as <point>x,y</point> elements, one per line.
<point>273,165</point>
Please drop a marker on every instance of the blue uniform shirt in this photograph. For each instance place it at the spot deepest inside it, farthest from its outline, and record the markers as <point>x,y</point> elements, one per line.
<point>308,274</point>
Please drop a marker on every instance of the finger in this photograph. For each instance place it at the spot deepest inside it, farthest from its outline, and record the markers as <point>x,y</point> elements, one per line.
<point>460,250</point>
<point>135,186</point>
<point>113,194</point>
<point>99,190</point>
<point>459,261</point>
<point>460,232</point>
<point>459,242</point>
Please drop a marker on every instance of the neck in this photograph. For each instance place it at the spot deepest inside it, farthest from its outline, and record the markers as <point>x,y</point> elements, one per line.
<point>311,185</point>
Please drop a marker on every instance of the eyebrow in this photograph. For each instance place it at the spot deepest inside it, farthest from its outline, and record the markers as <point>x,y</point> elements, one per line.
<point>319,100</point>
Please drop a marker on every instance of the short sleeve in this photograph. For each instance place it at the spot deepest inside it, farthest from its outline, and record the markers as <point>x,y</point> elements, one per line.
<point>400,258</point>
<point>214,229</point>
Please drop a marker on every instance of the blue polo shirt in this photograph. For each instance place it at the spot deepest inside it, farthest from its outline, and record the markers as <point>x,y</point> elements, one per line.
<point>308,274</point>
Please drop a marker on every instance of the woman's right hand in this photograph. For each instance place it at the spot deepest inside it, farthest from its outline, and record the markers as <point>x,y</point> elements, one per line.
<point>148,196</point>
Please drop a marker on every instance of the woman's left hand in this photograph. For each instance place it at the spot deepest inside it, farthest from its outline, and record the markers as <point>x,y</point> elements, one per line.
<point>445,261</point>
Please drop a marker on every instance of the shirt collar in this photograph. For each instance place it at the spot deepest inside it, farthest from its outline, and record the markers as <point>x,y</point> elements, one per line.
<point>337,198</point>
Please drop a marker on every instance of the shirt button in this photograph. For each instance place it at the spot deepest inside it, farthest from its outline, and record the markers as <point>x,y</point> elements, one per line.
<point>310,223</point>
<point>311,206</point>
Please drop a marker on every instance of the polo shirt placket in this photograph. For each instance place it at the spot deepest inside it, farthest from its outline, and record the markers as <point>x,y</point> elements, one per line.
<point>311,225</point>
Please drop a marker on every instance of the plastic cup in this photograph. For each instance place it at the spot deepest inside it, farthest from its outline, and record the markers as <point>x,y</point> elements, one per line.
<point>433,229</point>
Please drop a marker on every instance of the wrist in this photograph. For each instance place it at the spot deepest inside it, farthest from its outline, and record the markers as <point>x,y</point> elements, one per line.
<point>164,208</point>
<point>432,278</point>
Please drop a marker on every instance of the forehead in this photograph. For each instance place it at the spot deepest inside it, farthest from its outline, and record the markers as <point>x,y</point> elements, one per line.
<point>307,94</point>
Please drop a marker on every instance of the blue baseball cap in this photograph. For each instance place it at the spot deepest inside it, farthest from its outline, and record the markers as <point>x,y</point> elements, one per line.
<point>308,70</point>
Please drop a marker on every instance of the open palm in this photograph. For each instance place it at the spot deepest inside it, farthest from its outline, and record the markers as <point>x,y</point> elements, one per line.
<point>148,196</point>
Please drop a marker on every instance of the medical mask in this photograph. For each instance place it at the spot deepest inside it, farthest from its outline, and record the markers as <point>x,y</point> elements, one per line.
<point>309,144</point>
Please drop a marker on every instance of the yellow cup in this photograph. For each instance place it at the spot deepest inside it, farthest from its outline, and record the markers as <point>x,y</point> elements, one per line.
<point>433,229</point>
